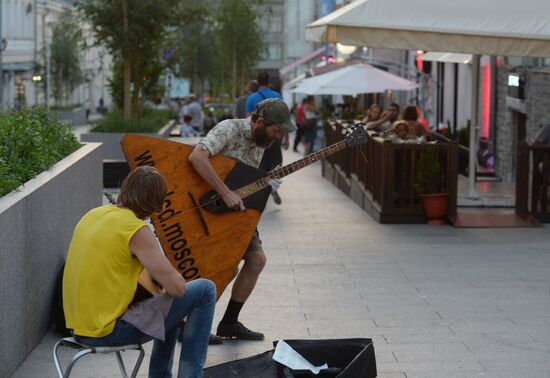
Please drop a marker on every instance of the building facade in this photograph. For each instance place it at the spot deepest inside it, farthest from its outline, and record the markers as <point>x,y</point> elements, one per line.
<point>25,36</point>
<point>94,60</point>
<point>17,42</point>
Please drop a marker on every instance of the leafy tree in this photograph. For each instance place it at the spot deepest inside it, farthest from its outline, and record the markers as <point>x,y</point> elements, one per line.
<point>193,40</point>
<point>238,42</point>
<point>133,31</point>
<point>67,42</point>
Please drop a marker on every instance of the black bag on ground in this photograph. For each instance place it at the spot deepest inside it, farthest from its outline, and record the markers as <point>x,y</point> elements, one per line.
<point>346,358</point>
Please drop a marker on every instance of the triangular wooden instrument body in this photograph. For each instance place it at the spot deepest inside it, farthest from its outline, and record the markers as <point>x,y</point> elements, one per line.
<point>209,248</point>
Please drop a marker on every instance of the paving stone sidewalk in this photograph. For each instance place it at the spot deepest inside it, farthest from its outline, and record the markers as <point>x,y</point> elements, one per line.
<point>438,301</point>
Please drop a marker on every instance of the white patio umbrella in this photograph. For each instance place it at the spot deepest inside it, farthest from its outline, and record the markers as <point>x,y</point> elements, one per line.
<point>479,27</point>
<point>354,79</point>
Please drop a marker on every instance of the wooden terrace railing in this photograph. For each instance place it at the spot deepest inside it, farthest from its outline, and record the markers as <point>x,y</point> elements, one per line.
<point>385,171</point>
<point>533,181</point>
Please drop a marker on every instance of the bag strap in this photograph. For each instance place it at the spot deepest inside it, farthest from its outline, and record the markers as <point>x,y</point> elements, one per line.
<point>261,94</point>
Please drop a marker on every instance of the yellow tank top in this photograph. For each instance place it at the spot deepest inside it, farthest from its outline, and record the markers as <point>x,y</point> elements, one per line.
<point>101,274</point>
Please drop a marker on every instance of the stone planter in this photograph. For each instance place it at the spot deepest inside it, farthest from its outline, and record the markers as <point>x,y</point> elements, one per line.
<point>111,149</point>
<point>74,117</point>
<point>37,223</point>
<point>115,167</point>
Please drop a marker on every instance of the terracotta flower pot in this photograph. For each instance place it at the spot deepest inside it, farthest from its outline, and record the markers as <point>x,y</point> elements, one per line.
<point>435,207</point>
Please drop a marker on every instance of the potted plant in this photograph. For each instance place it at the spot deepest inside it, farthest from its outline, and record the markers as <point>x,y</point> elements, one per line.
<point>428,184</point>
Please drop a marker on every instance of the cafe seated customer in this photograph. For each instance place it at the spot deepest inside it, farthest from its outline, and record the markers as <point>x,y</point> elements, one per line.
<point>401,129</point>
<point>416,129</point>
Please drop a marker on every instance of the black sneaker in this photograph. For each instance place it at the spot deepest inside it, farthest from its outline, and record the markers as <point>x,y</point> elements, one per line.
<point>276,198</point>
<point>238,331</point>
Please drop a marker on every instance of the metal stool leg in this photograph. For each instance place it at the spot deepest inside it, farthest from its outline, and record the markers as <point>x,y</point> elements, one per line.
<point>75,358</point>
<point>136,366</point>
<point>84,350</point>
<point>138,362</point>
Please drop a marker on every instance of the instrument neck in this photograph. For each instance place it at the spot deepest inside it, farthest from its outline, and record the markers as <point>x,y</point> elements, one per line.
<point>286,170</point>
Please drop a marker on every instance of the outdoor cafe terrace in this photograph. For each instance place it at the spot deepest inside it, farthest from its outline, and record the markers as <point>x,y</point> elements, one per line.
<point>380,176</point>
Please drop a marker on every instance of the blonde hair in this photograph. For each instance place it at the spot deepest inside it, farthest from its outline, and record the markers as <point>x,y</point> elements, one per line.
<point>368,116</point>
<point>143,191</point>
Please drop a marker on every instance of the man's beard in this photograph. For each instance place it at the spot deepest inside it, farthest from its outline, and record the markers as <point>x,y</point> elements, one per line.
<point>260,138</point>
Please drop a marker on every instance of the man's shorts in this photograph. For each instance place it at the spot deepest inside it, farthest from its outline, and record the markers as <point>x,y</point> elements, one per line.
<point>256,243</point>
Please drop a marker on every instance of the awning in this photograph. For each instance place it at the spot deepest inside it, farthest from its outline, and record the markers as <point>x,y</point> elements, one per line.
<point>447,57</point>
<point>479,27</point>
<point>293,83</point>
<point>288,68</point>
<point>486,27</point>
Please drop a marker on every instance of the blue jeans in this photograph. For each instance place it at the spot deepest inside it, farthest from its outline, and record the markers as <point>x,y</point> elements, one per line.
<point>198,305</point>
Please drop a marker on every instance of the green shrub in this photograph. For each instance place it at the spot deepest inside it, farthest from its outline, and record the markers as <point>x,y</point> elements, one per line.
<point>428,173</point>
<point>463,136</point>
<point>30,143</point>
<point>152,121</point>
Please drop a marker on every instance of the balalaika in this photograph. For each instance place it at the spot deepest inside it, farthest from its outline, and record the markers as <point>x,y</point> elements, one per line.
<point>200,236</point>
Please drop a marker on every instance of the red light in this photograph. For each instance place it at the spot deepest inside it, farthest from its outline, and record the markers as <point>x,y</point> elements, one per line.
<point>323,58</point>
<point>486,107</point>
<point>419,61</point>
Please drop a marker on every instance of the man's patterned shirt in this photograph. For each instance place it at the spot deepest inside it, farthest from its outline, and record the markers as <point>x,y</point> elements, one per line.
<point>233,138</point>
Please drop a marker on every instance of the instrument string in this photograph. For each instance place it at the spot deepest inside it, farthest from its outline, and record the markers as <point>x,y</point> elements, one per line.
<point>363,154</point>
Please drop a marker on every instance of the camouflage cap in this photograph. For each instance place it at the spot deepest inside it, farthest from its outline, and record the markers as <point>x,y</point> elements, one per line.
<point>275,111</point>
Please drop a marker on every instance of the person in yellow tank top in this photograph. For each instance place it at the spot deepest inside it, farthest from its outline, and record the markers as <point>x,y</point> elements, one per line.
<point>111,246</point>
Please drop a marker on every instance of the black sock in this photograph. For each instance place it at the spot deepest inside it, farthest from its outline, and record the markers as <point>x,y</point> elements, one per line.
<point>231,315</point>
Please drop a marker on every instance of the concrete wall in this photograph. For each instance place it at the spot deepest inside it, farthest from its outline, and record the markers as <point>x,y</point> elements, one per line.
<point>37,224</point>
<point>74,117</point>
<point>110,144</point>
<point>505,130</point>
<point>536,107</point>
<point>538,101</point>
<point>111,148</point>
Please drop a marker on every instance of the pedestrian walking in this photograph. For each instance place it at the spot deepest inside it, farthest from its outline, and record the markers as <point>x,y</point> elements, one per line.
<point>273,156</point>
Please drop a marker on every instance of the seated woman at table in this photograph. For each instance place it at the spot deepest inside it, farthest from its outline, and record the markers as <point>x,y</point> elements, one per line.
<point>385,120</point>
<point>416,129</point>
<point>373,114</point>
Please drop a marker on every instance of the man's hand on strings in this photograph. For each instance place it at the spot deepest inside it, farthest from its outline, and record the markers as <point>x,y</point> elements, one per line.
<point>233,201</point>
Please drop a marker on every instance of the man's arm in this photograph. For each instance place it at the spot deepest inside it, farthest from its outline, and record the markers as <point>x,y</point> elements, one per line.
<point>145,247</point>
<point>200,160</point>
<point>372,125</point>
